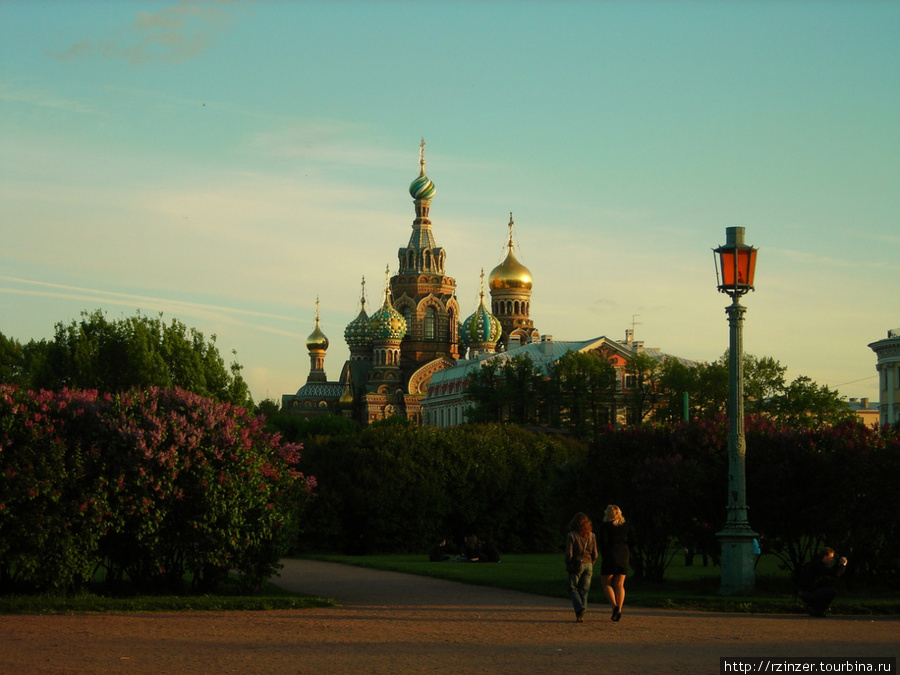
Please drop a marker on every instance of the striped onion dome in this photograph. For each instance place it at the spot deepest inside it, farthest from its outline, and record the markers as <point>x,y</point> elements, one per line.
<point>422,189</point>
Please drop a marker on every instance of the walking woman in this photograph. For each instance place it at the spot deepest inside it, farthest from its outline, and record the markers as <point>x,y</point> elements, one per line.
<point>581,553</point>
<point>616,538</point>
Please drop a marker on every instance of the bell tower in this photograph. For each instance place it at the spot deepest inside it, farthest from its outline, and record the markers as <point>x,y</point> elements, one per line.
<point>423,293</point>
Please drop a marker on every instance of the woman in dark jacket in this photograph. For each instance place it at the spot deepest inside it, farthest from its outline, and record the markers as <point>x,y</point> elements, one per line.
<point>616,538</point>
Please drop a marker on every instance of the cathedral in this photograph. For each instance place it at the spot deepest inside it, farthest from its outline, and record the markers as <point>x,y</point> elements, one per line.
<point>417,331</point>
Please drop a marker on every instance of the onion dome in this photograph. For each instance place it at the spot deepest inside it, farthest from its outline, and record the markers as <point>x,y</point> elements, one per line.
<point>346,399</point>
<point>510,274</point>
<point>387,323</point>
<point>482,326</point>
<point>357,331</point>
<point>422,189</point>
<point>317,340</point>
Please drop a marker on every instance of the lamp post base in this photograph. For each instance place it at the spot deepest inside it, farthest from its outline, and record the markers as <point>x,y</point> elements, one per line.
<point>738,560</point>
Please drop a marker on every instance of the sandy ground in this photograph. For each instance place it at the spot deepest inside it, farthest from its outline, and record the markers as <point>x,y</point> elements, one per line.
<point>395,623</point>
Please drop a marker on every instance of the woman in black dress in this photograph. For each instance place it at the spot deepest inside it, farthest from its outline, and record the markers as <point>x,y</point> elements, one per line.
<point>616,536</point>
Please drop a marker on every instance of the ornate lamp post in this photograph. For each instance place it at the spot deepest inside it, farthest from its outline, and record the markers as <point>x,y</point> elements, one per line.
<point>735,267</point>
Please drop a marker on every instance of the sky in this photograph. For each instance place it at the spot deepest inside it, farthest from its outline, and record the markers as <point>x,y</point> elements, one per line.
<point>228,163</point>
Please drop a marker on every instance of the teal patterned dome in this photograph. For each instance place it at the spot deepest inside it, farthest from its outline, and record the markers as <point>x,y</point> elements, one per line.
<point>357,331</point>
<point>422,189</point>
<point>387,324</point>
<point>482,326</point>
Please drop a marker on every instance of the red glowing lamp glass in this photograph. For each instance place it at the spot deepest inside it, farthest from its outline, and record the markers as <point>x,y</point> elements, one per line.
<point>735,263</point>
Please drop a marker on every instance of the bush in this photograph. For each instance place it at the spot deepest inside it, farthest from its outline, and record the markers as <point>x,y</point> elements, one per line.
<point>150,485</point>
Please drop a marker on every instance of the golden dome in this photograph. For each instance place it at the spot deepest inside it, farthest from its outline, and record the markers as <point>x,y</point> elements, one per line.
<point>510,274</point>
<point>317,342</point>
<point>346,399</point>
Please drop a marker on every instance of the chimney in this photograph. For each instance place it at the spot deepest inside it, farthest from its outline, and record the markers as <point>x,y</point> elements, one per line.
<point>865,403</point>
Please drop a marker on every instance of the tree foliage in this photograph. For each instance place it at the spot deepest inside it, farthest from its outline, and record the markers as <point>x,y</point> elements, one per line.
<point>580,391</point>
<point>506,390</point>
<point>95,353</point>
<point>401,488</point>
<point>148,485</point>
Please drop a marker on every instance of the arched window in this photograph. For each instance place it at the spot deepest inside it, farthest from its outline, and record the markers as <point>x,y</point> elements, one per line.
<point>427,260</point>
<point>429,323</point>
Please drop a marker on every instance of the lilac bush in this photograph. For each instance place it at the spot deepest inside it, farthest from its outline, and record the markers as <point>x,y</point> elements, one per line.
<point>153,485</point>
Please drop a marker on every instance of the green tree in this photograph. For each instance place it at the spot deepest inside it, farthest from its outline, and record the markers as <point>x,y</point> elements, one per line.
<point>138,351</point>
<point>12,361</point>
<point>580,388</point>
<point>485,388</point>
<point>677,380</point>
<point>522,389</point>
<point>805,405</point>
<point>763,381</point>
<point>643,386</point>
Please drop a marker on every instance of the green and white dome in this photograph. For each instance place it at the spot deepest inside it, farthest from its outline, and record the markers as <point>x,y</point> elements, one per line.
<point>422,189</point>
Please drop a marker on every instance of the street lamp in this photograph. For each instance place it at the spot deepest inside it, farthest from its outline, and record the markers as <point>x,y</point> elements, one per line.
<point>735,268</point>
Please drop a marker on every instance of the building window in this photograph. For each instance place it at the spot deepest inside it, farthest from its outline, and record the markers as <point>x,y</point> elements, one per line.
<point>429,323</point>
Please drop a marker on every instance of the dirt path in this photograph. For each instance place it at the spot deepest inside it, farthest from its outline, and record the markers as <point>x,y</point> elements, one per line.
<point>395,623</point>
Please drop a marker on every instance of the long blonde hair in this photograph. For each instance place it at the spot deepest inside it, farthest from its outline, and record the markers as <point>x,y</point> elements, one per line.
<point>613,514</point>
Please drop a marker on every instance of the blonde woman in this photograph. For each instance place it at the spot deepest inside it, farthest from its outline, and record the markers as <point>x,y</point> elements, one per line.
<point>581,553</point>
<point>616,538</point>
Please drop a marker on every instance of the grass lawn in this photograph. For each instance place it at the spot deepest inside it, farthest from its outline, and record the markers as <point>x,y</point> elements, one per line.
<point>693,587</point>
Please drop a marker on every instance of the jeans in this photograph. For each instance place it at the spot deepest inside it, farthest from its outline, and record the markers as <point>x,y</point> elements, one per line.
<point>579,585</point>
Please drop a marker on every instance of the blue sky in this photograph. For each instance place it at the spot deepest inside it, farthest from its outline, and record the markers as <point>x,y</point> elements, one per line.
<point>225,163</point>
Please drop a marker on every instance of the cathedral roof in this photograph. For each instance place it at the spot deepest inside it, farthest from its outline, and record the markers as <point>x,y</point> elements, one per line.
<point>321,390</point>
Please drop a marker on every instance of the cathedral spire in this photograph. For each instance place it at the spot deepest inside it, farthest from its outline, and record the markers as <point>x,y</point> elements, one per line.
<point>422,157</point>
<point>387,284</point>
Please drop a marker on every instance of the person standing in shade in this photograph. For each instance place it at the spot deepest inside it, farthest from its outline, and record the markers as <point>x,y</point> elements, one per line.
<point>581,553</point>
<point>616,539</point>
